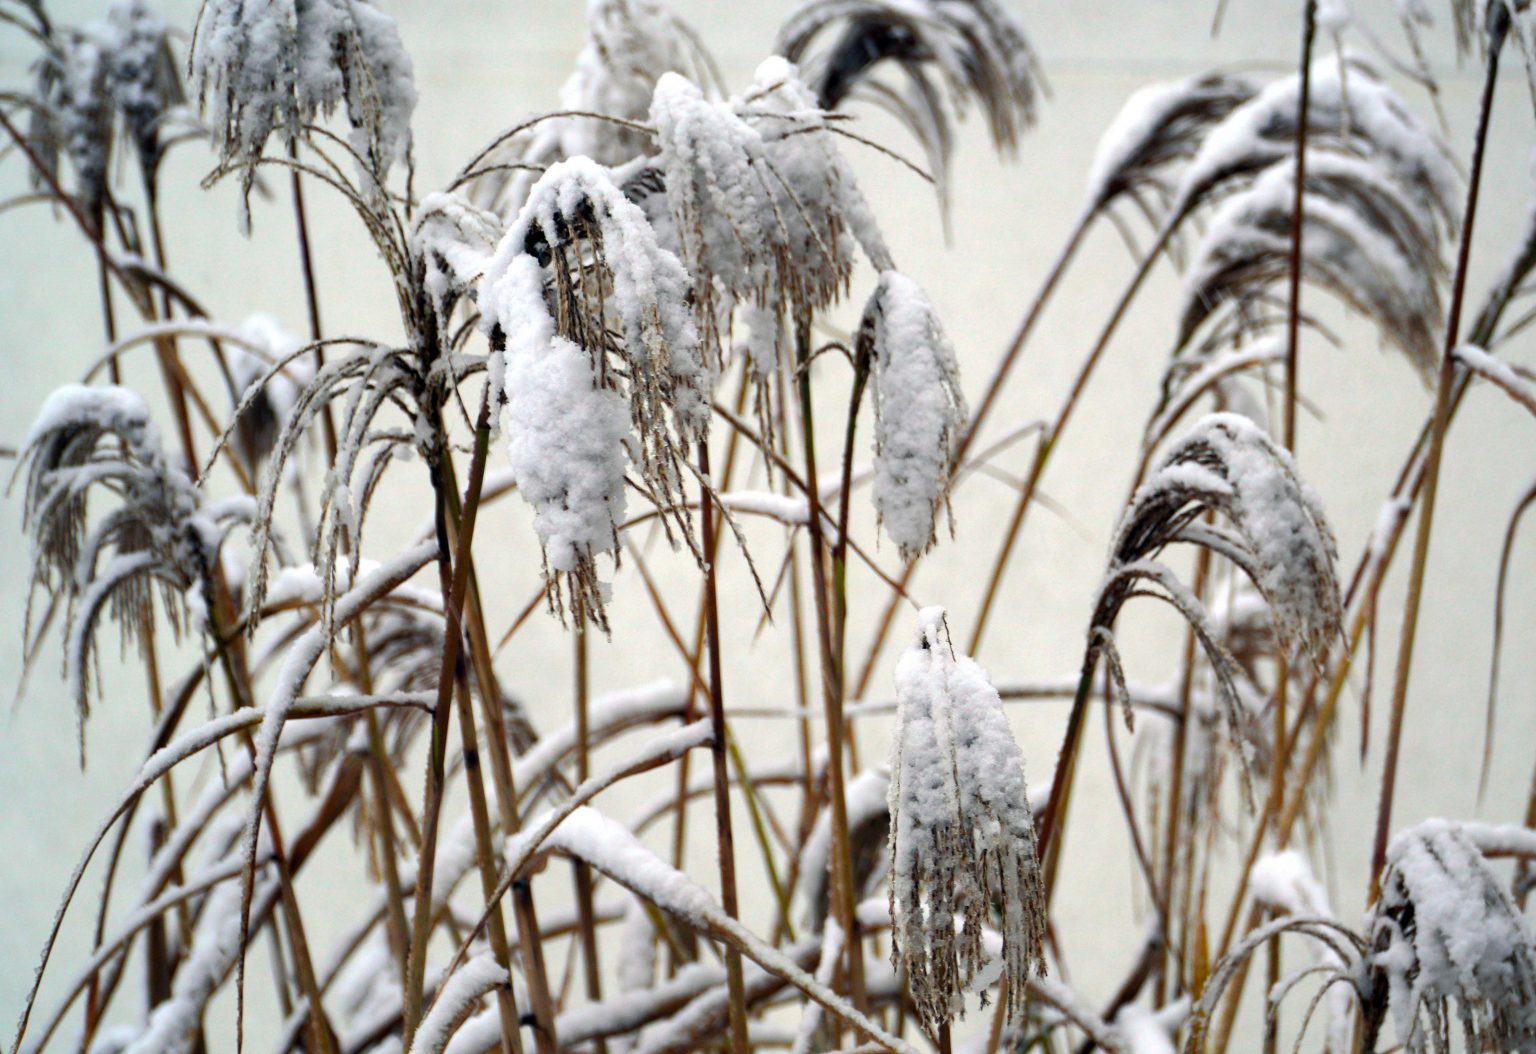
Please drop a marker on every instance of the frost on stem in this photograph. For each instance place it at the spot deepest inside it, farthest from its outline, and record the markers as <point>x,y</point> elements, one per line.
<point>600,368</point>
<point>974,51</point>
<point>1366,242</point>
<point>101,439</point>
<point>919,411</point>
<point>1444,930</point>
<point>265,66</point>
<point>962,837</point>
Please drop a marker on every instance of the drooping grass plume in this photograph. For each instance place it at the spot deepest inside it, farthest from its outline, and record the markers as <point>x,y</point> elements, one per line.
<point>1367,243</point>
<point>630,45</point>
<point>1276,534</point>
<point>1279,535</point>
<point>975,52</point>
<point>1158,129</point>
<point>1350,109</point>
<point>720,192</point>
<point>146,79</point>
<point>962,835</point>
<point>156,536</point>
<point>73,117</point>
<point>575,387</point>
<point>265,66</point>
<point>814,194</point>
<point>919,411</point>
<point>1446,932</point>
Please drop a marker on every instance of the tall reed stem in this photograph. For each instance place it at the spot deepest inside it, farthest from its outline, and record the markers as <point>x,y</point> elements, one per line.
<point>311,296</point>
<point>1298,197</point>
<point>725,845</point>
<point>454,571</point>
<point>581,871</point>
<point>832,695</point>
<point>1441,422</point>
<point>1049,438</point>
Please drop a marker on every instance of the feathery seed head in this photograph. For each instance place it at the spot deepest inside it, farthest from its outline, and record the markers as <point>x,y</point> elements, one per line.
<point>265,66</point>
<point>1280,536</point>
<point>601,368</point>
<point>1444,930</point>
<point>101,439</point>
<point>919,411</point>
<point>1367,243</point>
<point>1159,127</point>
<point>974,51</point>
<point>963,853</point>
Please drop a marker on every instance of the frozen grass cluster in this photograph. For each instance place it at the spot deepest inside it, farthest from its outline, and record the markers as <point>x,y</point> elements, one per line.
<point>636,335</point>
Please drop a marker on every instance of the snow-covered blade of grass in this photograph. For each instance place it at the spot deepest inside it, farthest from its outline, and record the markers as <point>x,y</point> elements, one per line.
<point>919,411</point>
<point>962,835</point>
<point>1445,930</point>
<point>610,848</point>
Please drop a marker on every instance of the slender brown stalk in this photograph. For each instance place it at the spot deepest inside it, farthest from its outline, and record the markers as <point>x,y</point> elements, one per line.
<point>725,846</point>
<point>1180,751</point>
<point>581,872</point>
<point>840,849</point>
<point>311,296</point>
<point>1049,438</point>
<point>840,544</point>
<point>487,858</point>
<point>541,1004</point>
<point>1293,302</point>
<point>1443,399</point>
<point>454,571</point>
